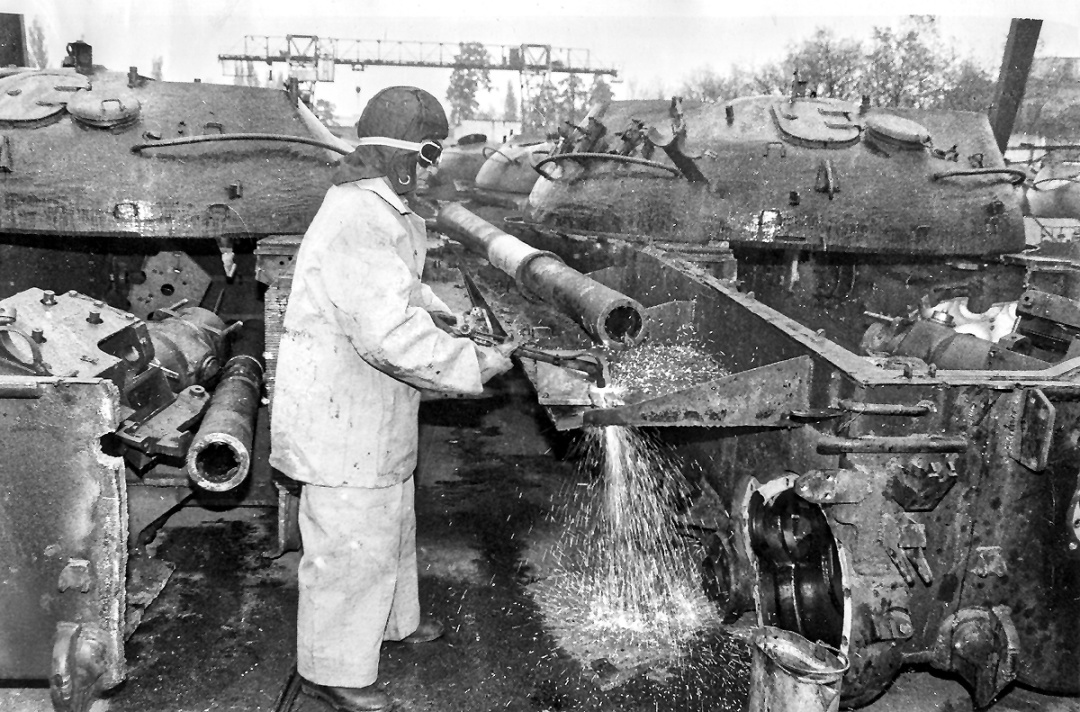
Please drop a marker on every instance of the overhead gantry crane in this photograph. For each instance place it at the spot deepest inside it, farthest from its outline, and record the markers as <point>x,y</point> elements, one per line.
<point>311,59</point>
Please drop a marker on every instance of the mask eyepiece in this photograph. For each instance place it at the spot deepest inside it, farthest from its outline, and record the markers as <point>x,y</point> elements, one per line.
<point>430,153</point>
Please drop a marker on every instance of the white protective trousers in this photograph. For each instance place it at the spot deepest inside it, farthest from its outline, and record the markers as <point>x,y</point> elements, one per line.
<point>358,580</point>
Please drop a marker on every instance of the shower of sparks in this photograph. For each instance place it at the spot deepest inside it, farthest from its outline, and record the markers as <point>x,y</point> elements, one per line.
<point>626,584</point>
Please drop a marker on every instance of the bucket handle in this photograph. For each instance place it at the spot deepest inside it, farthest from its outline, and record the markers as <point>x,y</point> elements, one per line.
<point>815,675</point>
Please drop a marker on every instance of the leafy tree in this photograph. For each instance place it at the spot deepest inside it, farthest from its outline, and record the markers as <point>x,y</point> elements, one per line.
<point>704,84</point>
<point>772,78</point>
<point>510,108</point>
<point>39,53</point>
<point>831,65</point>
<point>466,80</point>
<point>905,67</point>
<point>326,111</point>
<point>246,75</point>
<point>542,112</point>
<point>967,87</point>
<point>571,98</point>
<point>600,91</point>
<point>1048,108</point>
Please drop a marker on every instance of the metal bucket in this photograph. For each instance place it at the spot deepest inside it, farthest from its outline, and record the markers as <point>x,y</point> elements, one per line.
<point>791,674</point>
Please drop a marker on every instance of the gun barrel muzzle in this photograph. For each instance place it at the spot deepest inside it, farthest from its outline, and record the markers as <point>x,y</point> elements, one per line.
<point>219,458</point>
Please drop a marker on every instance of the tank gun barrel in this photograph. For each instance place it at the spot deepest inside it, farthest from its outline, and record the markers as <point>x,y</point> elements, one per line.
<point>607,315</point>
<point>219,458</point>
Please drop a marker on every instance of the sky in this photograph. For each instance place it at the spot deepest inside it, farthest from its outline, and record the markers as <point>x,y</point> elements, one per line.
<point>654,44</point>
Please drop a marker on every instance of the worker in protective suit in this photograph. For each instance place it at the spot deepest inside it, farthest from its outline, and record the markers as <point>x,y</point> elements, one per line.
<point>359,345</point>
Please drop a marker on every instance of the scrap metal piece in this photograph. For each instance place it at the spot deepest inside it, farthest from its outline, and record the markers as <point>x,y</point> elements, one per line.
<point>920,482</point>
<point>851,406</point>
<point>1036,432</point>
<point>62,553</point>
<point>913,543</point>
<point>79,661</point>
<point>833,445</point>
<point>288,520</point>
<point>188,344</point>
<point>20,352</point>
<point>760,397</point>
<point>904,540</point>
<point>981,645</point>
<point>146,580</point>
<point>167,432</point>
<point>170,277</point>
<point>1053,307</point>
<point>841,486</point>
<point>6,163</point>
<point>556,385</point>
<point>72,344</point>
<point>76,574</point>
<point>827,180</point>
<point>674,145</point>
<point>989,561</point>
<point>892,624</point>
<point>768,225</point>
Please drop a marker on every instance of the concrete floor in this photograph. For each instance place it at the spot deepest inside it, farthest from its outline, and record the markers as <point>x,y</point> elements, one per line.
<point>221,636</point>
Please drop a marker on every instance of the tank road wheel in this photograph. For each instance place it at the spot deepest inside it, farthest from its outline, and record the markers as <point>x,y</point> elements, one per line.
<point>799,575</point>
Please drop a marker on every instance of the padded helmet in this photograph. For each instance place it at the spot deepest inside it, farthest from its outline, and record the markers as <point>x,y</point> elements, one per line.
<point>403,114</point>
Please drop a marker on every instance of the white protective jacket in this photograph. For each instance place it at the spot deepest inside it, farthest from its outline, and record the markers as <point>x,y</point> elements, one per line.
<point>358,343</point>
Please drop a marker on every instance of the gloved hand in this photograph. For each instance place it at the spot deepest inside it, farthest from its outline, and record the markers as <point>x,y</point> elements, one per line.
<point>495,359</point>
<point>450,323</point>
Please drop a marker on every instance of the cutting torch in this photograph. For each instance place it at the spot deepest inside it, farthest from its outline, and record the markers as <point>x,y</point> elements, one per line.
<point>482,326</point>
